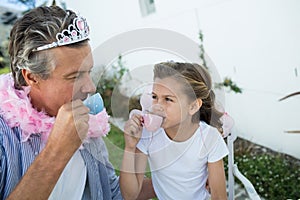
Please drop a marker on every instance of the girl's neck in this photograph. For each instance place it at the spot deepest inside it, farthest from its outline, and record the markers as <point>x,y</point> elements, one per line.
<point>183,132</point>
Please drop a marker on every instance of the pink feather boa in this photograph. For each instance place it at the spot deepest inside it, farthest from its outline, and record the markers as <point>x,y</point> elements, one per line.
<point>17,111</point>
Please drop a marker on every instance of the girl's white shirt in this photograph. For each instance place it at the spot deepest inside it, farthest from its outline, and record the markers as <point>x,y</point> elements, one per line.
<point>179,169</point>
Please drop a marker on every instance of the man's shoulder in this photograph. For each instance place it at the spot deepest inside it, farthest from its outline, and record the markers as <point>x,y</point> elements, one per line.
<point>2,122</point>
<point>4,128</point>
<point>8,134</point>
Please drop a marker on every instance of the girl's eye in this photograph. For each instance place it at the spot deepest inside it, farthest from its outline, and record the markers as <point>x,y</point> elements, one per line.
<point>168,99</point>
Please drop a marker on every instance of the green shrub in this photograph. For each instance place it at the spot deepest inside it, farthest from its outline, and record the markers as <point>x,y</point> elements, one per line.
<point>109,84</point>
<point>4,70</point>
<point>273,176</point>
<point>4,58</point>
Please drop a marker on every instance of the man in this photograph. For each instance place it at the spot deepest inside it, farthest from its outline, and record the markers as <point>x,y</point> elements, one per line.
<point>43,122</point>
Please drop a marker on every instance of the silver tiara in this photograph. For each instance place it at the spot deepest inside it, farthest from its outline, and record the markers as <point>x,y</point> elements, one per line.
<point>76,32</point>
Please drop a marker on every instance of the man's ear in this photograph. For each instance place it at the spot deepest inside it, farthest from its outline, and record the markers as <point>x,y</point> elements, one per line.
<point>195,106</point>
<point>30,78</point>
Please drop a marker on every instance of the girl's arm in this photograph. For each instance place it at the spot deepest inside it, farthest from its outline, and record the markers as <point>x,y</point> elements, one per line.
<point>147,191</point>
<point>132,174</point>
<point>216,179</point>
<point>134,161</point>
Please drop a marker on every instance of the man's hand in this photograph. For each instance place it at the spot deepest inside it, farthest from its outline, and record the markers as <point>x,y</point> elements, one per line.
<point>71,125</point>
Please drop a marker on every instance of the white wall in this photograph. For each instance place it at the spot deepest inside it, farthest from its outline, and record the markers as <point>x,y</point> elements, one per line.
<point>256,43</point>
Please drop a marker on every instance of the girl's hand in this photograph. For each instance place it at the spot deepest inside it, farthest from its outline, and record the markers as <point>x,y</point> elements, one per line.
<point>133,131</point>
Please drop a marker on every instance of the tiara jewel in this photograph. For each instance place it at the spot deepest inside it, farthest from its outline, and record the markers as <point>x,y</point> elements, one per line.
<point>76,32</point>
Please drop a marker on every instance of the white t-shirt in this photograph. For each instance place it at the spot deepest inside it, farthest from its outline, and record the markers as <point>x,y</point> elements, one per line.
<point>179,169</point>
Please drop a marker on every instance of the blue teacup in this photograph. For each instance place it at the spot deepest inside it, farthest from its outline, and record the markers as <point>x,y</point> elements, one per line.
<point>94,103</point>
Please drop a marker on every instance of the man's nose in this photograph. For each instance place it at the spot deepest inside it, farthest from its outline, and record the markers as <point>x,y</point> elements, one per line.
<point>89,86</point>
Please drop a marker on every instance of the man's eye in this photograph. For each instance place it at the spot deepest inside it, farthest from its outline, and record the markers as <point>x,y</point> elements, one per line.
<point>76,76</point>
<point>154,97</point>
<point>73,77</point>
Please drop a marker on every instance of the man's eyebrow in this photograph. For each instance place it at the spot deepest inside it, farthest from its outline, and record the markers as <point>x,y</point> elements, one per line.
<point>76,73</point>
<point>72,74</point>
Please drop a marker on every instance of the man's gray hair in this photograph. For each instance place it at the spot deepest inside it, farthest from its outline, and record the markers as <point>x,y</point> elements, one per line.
<point>36,28</point>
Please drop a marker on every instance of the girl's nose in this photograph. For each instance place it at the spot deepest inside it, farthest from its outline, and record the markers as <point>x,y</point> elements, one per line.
<point>156,108</point>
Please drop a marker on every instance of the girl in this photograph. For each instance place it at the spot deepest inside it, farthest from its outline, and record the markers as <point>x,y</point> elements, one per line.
<point>188,149</point>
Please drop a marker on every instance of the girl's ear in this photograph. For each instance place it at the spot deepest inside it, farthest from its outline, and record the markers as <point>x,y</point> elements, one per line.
<point>30,78</point>
<point>195,106</point>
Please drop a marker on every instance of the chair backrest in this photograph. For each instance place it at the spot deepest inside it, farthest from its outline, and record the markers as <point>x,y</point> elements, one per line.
<point>233,172</point>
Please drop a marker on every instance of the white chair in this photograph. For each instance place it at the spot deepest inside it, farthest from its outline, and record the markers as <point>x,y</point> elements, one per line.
<point>233,172</point>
